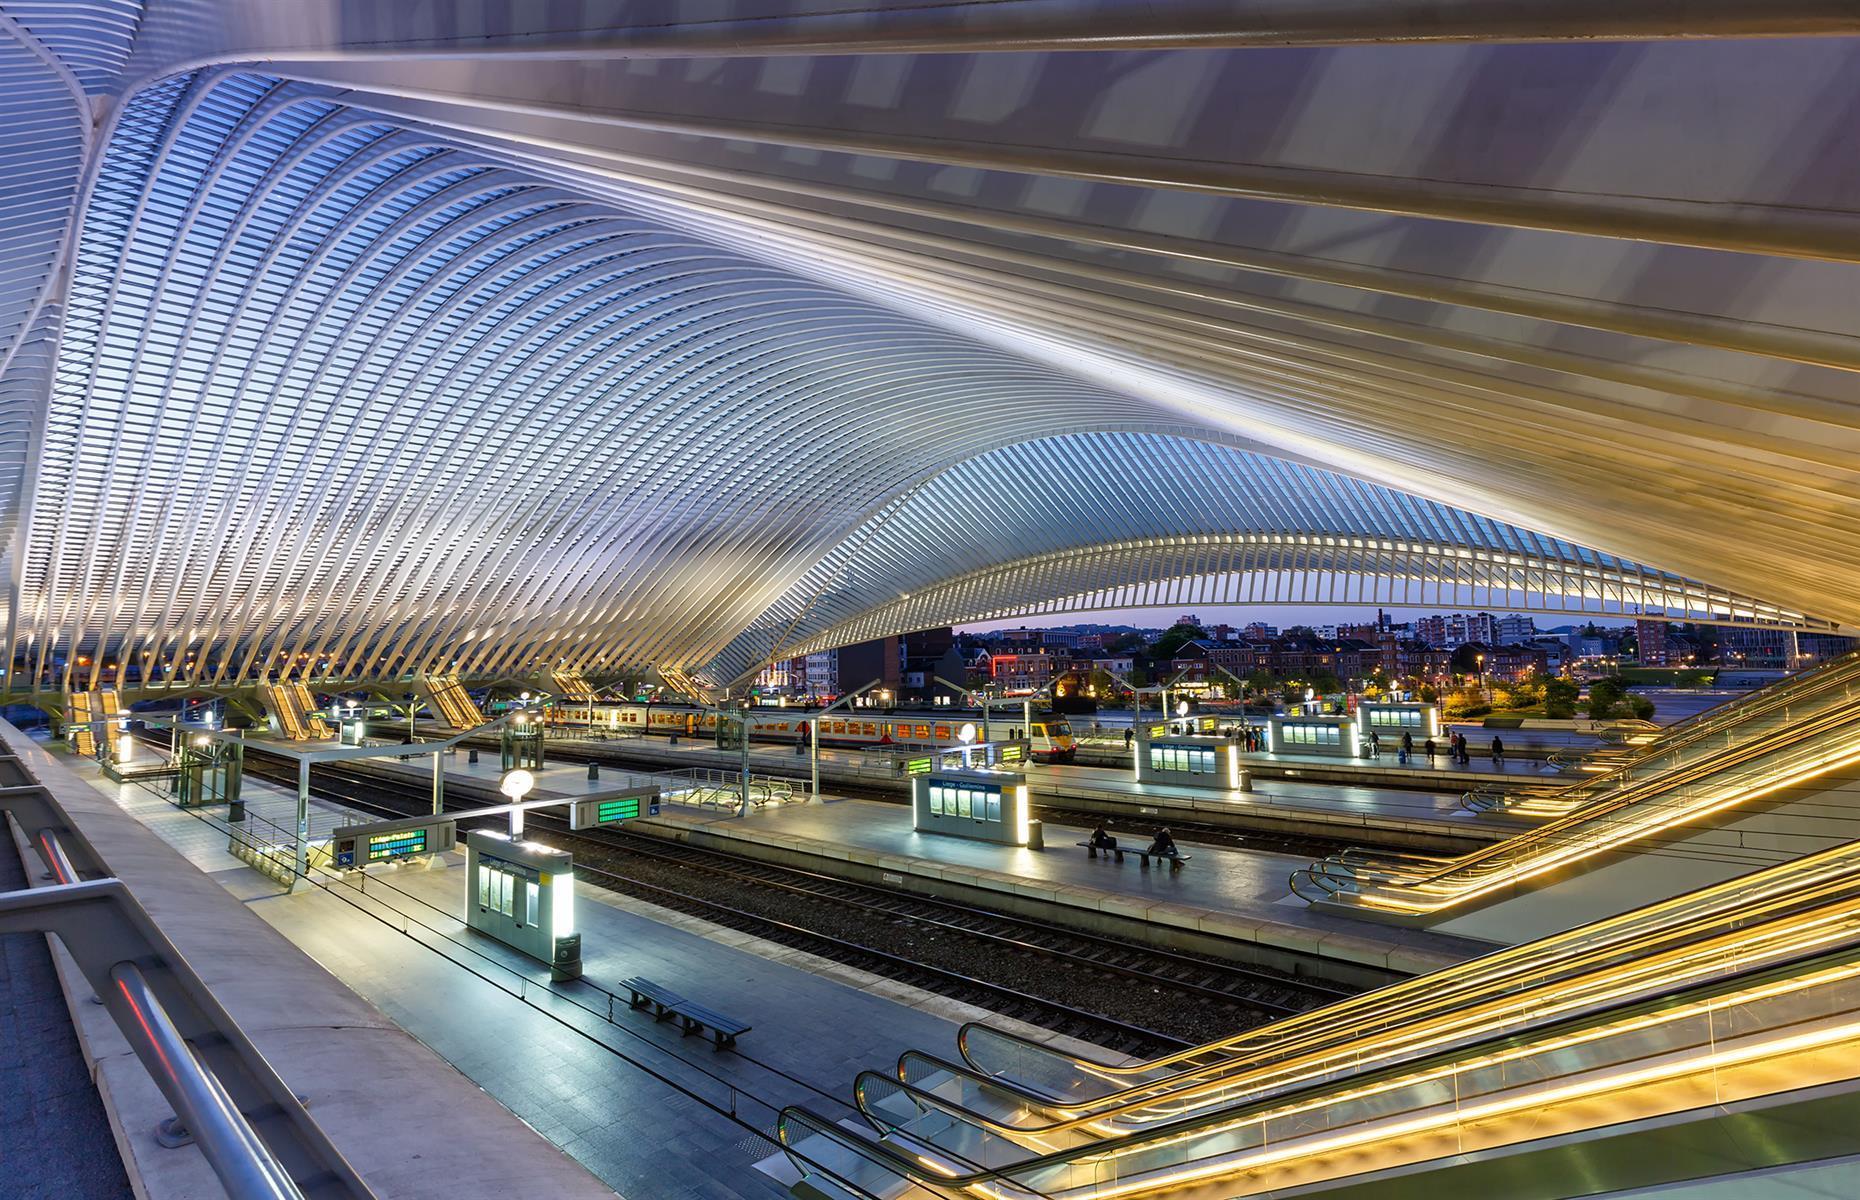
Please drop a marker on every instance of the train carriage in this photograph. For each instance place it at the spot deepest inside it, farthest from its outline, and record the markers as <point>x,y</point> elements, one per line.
<point>1050,737</point>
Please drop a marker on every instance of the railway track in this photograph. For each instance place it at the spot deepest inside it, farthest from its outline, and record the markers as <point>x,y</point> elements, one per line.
<point>1133,998</point>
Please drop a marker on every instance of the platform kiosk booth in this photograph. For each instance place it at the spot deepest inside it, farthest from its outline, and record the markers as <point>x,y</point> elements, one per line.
<point>1389,719</point>
<point>1333,736</point>
<point>523,894</point>
<point>1193,761</point>
<point>989,806</point>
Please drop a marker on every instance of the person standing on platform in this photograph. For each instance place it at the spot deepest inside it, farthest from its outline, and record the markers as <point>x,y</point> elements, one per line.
<point>1129,736</point>
<point>1407,748</point>
<point>1375,745</point>
<point>1498,752</point>
<point>1429,747</point>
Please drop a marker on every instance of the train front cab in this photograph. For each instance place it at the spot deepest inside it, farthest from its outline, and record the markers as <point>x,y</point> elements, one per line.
<point>1052,741</point>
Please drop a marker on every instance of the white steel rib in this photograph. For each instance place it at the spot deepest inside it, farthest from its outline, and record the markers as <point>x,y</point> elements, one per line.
<point>351,342</point>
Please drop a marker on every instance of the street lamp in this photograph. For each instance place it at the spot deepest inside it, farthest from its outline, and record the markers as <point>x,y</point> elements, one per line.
<point>516,785</point>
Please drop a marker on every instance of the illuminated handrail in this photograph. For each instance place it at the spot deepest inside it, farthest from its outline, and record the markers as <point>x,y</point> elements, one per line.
<point>1688,956</point>
<point>1841,673</point>
<point>1748,1016</point>
<point>1804,881</point>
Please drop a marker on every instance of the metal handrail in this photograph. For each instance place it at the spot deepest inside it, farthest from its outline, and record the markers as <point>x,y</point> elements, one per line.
<point>255,1133</point>
<point>192,1048</point>
<point>1715,994</point>
<point>1507,855</point>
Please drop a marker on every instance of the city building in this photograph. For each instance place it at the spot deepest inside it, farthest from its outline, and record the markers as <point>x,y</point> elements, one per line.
<point>1022,671</point>
<point>1650,638</point>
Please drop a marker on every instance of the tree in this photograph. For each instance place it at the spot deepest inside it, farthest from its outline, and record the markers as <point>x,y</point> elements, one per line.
<point>1173,640</point>
<point>1327,683</point>
<point>1605,698</point>
<point>1123,643</point>
<point>1466,658</point>
<point>1560,697</point>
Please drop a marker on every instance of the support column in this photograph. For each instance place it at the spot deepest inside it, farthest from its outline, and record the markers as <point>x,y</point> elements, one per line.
<point>743,734</point>
<point>813,740</point>
<point>302,863</point>
<point>439,783</point>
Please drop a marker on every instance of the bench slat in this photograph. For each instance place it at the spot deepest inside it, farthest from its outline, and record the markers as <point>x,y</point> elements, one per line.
<point>693,1017</point>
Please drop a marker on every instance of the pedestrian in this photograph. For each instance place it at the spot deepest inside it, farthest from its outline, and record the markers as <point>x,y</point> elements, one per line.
<point>1498,751</point>
<point>1375,745</point>
<point>1129,735</point>
<point>1429,747</point>
<point>1407,748</point>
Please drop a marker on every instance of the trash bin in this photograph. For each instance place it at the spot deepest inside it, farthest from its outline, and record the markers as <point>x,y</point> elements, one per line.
<point>1036,836</point>
<point>566,962</point>
<point>594,770</point>
<point>471,757</point>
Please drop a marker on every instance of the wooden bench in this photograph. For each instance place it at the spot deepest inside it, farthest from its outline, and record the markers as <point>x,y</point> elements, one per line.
<point>692,1017</point>
<point>1175,861</point>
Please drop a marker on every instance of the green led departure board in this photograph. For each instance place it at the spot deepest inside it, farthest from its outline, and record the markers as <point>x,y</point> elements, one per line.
<point>617,810</point>
<point>393,845</point>
<point>917,766</point>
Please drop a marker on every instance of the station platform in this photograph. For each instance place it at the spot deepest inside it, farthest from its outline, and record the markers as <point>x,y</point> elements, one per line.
<point>1385,815</point>
<point>1380,814</point>
<point>1236,897</point>
<point>1384,770</point>
<point>645,1111</point>
<point>329,1045</point>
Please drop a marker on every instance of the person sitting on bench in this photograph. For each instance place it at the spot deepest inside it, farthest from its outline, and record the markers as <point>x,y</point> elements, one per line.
<point>1100,840</point>
<point>1163,846</point>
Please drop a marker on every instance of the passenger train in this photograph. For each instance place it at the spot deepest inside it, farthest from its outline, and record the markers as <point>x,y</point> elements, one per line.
<point>1049,734</point>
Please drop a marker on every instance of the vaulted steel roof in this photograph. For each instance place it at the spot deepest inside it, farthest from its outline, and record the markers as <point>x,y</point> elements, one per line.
<point>361,340</point>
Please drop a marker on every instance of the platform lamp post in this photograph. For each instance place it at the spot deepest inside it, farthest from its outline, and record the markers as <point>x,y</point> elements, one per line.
<point>516,785</point>
<point>813,735</point>
<point>983,698</point>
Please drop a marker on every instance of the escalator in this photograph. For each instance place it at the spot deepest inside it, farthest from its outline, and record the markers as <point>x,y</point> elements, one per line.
<point>1767,1007</point>
<point>1683,747</point>
<point>1417,889</point>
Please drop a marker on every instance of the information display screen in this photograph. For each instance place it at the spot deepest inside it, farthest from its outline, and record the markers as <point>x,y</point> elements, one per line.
<point>394,845</point>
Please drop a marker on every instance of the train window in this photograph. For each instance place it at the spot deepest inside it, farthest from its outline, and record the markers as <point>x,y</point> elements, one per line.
<point>923,733</point>
<point>1036,731</point>
<point>942,733</point>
